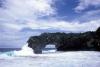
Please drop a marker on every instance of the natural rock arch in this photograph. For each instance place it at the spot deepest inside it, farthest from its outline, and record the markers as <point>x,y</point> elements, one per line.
<point>37,43</point>
<point>66,41</point>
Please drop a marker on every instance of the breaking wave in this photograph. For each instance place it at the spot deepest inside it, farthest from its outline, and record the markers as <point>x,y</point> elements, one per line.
<point>25,51</point>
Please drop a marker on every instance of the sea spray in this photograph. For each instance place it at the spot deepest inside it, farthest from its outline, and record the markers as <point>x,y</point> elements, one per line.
<point>25,51</point>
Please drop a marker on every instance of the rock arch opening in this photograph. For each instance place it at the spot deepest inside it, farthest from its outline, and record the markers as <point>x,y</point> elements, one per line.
<point>49,48</point>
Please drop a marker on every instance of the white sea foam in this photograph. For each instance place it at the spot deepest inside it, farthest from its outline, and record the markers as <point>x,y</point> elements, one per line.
<point>7,55</point>
<point>56,59</point>
<point>25,51</point>
<point>61,59</point>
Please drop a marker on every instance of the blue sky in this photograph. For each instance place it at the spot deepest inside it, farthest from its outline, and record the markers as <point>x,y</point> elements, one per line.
<point>20,19</point>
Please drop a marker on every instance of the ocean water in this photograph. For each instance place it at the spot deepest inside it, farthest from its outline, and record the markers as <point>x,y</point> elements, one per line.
<point>50,58</point>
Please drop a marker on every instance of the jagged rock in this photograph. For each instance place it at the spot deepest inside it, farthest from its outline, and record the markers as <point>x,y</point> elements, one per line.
<point>66,41</point>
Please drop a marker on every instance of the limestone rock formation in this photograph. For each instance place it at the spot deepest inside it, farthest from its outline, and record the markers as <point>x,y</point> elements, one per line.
<point>66,41</point>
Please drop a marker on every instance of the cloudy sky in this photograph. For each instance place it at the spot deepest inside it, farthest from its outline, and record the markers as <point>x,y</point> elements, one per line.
<point>20,19</point>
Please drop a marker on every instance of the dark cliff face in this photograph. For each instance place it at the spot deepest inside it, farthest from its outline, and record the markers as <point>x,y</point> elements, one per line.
<point>66,42</point>
<point>98,32</point>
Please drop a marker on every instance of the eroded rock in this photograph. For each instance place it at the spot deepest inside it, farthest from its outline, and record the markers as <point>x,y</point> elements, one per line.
<point>66,41</point>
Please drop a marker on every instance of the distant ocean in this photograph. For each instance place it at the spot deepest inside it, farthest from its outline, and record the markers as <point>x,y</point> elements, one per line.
<point>9,49</point>
<point>17,49</point>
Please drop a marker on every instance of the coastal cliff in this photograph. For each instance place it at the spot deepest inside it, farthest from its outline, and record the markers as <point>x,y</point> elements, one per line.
<point>66,41</point>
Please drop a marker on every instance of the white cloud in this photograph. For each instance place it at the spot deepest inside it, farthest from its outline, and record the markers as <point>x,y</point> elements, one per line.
<point>12,33</point>
<point>13,26</point>
<point>30,10</point>
<point>14,15</point>
<point>84,4</point>
<point>25,9</point>
<point>66,26</point>
<point>74,26</point>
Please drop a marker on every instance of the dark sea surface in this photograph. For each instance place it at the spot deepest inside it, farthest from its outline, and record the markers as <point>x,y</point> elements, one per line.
<point>17,49</point>
<point>9,49</point>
